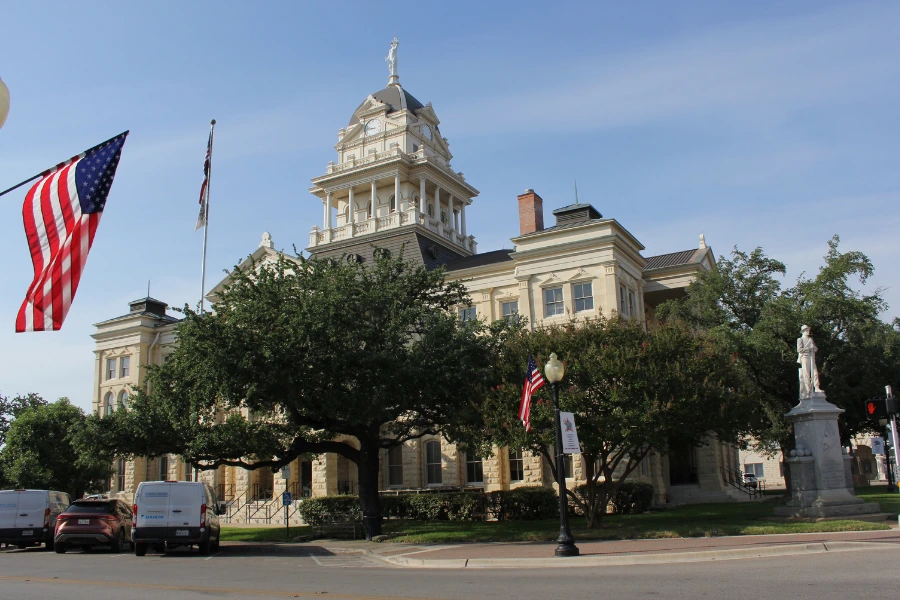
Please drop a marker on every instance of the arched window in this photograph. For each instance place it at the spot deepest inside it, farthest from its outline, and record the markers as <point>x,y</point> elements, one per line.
<point>393,203</point>
<point>430,210</point>
<point>474,468</point>
<point>120,475</point>
<point>369,209</point>
<point>433,463</point>
<point>443,216</point>
<point>109,403</point>
<point>123,398</point>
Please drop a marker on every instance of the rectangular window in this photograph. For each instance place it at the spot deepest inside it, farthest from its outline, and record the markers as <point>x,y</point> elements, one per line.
<point>120,475</point>
<point>467,314</point>
<point>631,308</point>
<point>163,474</point>
<point>754,469</point>
<point>553,302</point>
<point>110,368</point>
<point>474,469</point>
<point>510,310</point>
<point>584,296</point>
<point>395,466</point>
<point>622,300</point>
<point>569,465</point>
<point>516,466</point>
<point>124,366</point>
<point>188,471</point>
<point>433,463</point>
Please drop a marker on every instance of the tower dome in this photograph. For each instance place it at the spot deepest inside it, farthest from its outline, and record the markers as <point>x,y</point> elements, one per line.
<point>395,97</point>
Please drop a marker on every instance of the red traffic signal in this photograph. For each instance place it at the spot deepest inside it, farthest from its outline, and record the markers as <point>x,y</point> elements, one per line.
<point>880,408</point>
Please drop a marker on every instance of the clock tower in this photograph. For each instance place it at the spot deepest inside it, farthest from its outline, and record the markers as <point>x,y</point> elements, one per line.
<point>392,186</point>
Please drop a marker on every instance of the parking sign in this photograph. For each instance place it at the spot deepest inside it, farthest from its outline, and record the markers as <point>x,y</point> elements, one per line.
<point>286,499</point>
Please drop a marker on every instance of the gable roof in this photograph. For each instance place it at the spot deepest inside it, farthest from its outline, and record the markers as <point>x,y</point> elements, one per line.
<point>673,259</point>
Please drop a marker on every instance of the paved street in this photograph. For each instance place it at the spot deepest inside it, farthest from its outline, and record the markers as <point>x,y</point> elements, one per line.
<point>311,571</point>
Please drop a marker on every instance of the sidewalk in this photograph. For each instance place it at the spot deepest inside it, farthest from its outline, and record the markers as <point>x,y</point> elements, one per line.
<point>609,553</point>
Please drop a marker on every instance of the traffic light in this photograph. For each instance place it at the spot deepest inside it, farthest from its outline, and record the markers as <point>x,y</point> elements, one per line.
<point>880,408</point>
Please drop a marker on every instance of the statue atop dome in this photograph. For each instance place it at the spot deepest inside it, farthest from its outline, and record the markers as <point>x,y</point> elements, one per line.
<point>391,60</point>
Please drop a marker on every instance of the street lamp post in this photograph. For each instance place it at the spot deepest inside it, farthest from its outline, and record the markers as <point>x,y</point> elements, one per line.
<point>554,371</point>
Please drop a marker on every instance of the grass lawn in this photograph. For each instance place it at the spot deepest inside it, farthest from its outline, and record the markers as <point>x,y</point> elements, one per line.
<point>698,520</point>
<point>260,534</point>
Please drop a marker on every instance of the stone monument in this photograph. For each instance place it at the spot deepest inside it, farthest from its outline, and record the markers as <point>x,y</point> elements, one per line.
<point>821,481</point>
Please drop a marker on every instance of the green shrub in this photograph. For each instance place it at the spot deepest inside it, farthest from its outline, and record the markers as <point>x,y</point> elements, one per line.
<point>330,509</point>
<point>524,504</point>
<point>632,498</point>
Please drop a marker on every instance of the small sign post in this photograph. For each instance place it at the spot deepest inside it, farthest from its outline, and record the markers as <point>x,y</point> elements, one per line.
<point>286,502</point>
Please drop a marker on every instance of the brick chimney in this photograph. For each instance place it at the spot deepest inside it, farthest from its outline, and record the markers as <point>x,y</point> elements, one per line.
<point>531,212</point>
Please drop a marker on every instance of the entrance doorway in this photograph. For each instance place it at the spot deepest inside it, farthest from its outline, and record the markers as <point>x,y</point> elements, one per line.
<point>683,464</point>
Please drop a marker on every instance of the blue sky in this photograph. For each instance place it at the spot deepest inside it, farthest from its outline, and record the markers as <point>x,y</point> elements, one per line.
<point>770,124</point>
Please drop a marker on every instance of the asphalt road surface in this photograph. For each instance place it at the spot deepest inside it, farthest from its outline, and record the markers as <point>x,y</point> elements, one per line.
<point>313,572</point>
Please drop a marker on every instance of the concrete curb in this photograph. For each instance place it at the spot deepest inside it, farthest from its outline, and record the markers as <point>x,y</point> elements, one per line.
<point>628,559</point>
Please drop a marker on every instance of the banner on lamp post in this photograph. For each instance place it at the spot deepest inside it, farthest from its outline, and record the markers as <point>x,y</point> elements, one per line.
<point>877,445</point>
<point>569,434</point>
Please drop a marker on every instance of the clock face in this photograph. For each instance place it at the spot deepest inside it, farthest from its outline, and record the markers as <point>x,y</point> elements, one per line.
<point>426,131</point>
<point>373,127</point>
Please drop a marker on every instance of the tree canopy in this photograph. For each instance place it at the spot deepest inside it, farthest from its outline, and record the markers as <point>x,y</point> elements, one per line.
<point>632,391</point>
<point>46,448</point>
<point>300,353</point>
<point>743,302</point>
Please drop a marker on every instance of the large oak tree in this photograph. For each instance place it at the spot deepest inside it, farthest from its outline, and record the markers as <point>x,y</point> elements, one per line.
<point>298,354</point>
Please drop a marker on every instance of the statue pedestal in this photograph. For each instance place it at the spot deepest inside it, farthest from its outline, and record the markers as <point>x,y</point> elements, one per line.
<point>821,481</point>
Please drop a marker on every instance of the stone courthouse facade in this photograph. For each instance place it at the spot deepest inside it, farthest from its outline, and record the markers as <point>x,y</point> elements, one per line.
<point>393,187</point>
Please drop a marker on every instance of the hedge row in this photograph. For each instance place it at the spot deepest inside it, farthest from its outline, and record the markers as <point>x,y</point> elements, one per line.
<point>520,504</point>
<point>632,498</point>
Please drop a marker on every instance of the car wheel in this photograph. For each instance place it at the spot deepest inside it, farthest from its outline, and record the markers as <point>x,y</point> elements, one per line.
<point>119,545</point>
<point>60,548</point>
<point>140,549</point>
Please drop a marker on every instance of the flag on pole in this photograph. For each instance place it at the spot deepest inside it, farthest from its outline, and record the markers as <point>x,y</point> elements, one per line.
<point>533,382</point>
<point>204,195</point>
<point>61,213</point>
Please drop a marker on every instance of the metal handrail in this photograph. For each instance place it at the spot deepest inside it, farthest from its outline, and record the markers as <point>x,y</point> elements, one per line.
<point>735,479</point>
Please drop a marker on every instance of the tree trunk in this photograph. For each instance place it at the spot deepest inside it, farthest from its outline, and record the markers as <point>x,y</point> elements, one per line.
<point>369,500</point>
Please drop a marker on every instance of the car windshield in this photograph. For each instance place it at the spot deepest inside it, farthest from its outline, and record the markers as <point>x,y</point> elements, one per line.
<point>98,508</point>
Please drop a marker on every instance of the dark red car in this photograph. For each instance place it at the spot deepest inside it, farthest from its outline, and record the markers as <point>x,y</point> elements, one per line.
<point>88,523</point>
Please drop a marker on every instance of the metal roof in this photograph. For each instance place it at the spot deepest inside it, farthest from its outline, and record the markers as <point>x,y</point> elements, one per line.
<point>670,260</point>
<point>480,260</point>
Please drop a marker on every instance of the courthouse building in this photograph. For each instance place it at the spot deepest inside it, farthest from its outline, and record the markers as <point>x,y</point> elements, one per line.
<point>392,186</point>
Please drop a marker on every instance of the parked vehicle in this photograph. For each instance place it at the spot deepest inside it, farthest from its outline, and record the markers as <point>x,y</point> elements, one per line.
<point>750,480</point>
<point>88,523</point>
<point>169,514</point>
<point>28,517</point>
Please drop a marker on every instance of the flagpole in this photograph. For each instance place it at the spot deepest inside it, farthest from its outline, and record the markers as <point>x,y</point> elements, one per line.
<point>212,126</point>
<point>60,165</point>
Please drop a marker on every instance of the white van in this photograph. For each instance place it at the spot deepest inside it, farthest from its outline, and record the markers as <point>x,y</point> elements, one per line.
<point>28,517</point>
<point>168,514</point>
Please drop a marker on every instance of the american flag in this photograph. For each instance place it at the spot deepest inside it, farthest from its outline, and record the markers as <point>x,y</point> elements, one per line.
<point>204,197</point>
<point>533,382</point>
<point>61,213</point>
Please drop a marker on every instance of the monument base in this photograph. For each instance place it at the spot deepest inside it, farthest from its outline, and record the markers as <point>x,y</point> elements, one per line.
<point>820,474</point>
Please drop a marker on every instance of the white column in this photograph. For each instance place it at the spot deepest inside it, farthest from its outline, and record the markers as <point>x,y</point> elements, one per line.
<point>374,215</point>
<point>350,204</point>
<point>397,191</point>
<point>450,213</point>
<point>328,210</point>
<point>422,204</point>
<point>462,214</point>
<point>325,213</point>
<point>437,207</point>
